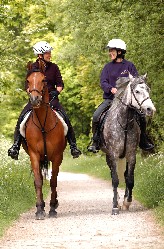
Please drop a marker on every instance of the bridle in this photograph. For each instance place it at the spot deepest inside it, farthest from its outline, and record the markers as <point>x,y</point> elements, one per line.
<point>130,121</point>
<point>133,94</point>
<point>41,126</point>
<point>42,92</point>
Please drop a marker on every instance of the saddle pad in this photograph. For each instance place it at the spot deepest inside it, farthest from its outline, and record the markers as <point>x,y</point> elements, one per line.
<point>63,122</point>
<point>22,125</point>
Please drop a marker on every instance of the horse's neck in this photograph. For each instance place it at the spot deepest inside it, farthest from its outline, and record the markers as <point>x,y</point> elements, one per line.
<point>120,108</point>
<point>46,96</point>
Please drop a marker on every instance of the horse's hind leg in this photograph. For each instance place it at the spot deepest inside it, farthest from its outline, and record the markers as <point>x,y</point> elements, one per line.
<point>129,180</point>
<point>115,183</point>
<point>53,184</point>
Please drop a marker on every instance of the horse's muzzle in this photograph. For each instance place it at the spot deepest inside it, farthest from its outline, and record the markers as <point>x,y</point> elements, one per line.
<point>150,111</point>
<point>35,101</point>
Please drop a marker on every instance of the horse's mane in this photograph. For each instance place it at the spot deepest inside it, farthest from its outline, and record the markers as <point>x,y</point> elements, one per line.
<point>121,85</point>
<point>39,67</point>
<point>140,80</point>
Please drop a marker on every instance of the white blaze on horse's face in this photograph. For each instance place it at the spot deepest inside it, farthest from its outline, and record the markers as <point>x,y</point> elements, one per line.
<point>36,84</point>
<point>140,98</point>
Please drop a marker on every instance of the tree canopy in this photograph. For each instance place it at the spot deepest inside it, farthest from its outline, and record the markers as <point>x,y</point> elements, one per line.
<point>79,32</point>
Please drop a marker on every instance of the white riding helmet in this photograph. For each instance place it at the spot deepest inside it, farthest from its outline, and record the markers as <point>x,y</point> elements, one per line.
<point>117,43</point>
<point>42,47</point>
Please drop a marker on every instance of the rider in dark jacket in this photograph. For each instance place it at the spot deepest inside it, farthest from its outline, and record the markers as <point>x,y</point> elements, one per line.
<point>55,86</point>
<point>118,67</point>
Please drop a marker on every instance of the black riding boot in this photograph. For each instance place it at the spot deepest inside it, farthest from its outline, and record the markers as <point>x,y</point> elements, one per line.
<point>144,144</point>
<point>75,152</point>
<point>14,150</point>
<point>94,147</point>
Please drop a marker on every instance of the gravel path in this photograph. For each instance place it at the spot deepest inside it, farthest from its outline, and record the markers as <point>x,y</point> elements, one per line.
<point>85,222</point>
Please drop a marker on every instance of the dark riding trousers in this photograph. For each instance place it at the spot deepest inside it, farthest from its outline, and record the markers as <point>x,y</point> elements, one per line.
<point>101,109</point>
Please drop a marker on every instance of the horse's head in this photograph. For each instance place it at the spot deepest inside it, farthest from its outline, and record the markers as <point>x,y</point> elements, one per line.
<point>36,87</point>
<point>139,95</point>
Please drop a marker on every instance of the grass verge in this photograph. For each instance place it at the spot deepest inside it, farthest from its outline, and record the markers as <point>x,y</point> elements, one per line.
<point>17,193</point>
<point>91,165</point>
<point>149,183</point>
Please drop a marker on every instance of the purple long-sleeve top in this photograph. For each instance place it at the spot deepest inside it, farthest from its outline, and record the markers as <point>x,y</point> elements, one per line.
<point>111,72</point>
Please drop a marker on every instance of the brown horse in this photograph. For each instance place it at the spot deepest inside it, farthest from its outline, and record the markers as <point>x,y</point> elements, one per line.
<point>45,140</point>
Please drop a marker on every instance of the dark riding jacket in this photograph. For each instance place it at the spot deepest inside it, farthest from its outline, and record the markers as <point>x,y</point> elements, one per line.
<point>111,72</point>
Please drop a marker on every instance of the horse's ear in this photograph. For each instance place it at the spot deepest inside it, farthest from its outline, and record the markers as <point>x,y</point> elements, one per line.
<point>29,66</point>
<point>145,76</point>
<point>131,76</point>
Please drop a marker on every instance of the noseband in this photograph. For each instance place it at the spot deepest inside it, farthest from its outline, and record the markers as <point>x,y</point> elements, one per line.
<point>35,90</point>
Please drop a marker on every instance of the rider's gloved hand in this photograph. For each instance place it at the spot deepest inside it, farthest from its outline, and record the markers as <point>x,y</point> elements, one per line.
<point>54,94</point>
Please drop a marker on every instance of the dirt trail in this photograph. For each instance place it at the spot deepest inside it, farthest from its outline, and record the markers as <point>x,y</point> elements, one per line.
<point>85,222</point>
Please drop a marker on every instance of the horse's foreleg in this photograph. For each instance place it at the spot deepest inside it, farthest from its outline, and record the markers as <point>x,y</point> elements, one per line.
<point>115,182</point>
<point>53,184</point>
<point>38,183</point>
<point>129,180</point>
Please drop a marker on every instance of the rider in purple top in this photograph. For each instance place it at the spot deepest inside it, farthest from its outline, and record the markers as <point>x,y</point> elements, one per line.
<point>111,72</point>
<point>118,67</point>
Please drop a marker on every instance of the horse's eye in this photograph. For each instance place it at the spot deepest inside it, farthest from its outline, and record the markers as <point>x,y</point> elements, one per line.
<point>137,91</point>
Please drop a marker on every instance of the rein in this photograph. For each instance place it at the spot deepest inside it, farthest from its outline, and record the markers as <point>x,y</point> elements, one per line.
<point>125,132</point>
<point>42,127</point>
<point>44,132</point>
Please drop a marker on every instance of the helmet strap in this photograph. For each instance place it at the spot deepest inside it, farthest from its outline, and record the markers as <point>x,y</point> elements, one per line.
<point>120,55</point>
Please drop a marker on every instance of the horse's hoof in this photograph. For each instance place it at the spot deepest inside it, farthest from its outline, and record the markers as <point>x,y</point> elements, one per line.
<point>40,215</point>
<point>126,205</point>
<point>52,214</point>
<point>125,208</point>
<point>115,211</point>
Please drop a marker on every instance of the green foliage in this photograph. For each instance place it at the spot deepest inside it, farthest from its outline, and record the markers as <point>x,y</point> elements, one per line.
<point>79,32</point>
<point>89,25</point>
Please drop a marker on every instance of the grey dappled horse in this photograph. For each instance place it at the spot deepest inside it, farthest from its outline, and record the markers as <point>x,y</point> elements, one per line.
<point>121,132</point>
